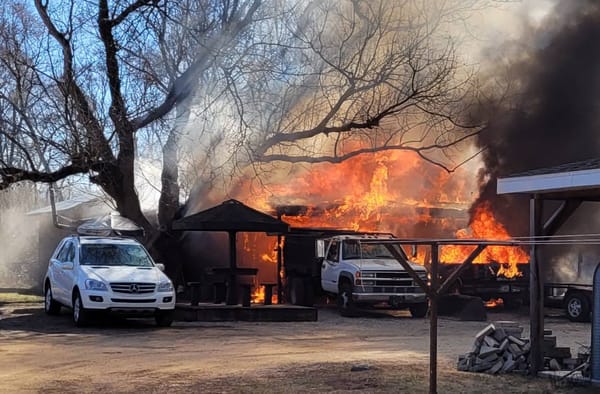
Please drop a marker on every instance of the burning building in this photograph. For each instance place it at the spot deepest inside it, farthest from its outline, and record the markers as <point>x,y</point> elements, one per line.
<point>547,117</point>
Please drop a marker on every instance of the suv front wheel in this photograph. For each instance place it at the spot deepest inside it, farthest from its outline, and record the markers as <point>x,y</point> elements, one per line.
<point>79,312</point>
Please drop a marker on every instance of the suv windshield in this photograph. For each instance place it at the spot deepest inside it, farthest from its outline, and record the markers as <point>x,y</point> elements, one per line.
<point>114,254</point>
<point>355,250</point>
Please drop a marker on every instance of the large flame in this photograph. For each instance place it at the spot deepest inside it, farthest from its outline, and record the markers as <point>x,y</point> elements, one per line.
<point>393,192</point>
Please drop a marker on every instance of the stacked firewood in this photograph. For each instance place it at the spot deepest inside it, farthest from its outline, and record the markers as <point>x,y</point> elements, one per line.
<point>498,348</point>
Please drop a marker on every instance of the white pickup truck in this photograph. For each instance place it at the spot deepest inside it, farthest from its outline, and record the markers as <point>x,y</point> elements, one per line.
<point>359,270</point>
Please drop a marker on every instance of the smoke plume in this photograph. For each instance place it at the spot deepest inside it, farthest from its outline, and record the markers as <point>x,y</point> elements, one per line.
<point>551,114</point>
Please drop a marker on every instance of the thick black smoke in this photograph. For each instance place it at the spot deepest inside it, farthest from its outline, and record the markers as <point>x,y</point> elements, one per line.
<point>553,116</point>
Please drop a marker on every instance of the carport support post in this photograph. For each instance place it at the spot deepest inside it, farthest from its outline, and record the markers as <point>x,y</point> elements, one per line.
<point>433,317</point>
<point>536,286</point>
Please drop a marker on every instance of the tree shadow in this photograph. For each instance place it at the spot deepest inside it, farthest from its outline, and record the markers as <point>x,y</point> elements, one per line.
<point>34,320</point>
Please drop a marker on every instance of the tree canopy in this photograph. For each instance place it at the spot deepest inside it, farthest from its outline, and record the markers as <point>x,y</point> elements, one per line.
<point>206,86</point>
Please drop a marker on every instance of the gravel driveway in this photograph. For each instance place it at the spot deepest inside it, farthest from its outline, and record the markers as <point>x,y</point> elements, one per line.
<point>44,353</point>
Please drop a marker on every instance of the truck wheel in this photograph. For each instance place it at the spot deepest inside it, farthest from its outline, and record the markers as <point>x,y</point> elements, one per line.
<point>419,310</point>
<point>297,291</point>
<point>577,307</point>
<point>345,303</point>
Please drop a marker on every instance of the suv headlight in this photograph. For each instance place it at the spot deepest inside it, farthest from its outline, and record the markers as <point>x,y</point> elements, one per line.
<point>165,286</point>
<point>93,284</point>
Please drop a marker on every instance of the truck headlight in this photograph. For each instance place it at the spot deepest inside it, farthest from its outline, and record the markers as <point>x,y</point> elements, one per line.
<point>93,284</point>
<point>367,274</point>
<point>165,286</point>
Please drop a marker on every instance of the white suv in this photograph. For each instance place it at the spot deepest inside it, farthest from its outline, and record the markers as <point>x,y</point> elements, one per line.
<point>92,274</point>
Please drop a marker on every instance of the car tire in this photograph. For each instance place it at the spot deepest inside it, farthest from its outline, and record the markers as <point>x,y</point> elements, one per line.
<point>345,303</point>
<point>419,310</point>
<point>577,307</point>
<point>164,319</point>
<point>80,314</point>
<point>51,306</point>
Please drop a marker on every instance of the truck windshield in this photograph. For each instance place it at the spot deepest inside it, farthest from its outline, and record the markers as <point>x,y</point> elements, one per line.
<point>114,254</point>
<point>354,250</point>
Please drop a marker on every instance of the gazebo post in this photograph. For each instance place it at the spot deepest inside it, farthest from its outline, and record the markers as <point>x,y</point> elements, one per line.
<point>232,298</point>
<point>279,268</point>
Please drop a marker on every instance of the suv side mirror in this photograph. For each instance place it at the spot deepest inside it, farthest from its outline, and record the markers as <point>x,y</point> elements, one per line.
<point>67,265</point>
<point>160,266</point>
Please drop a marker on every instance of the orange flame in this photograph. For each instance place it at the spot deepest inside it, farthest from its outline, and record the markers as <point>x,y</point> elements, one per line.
<point>258,294</point>
<point>494,303</point>
<point>393,192</point>
<point>485,226</point>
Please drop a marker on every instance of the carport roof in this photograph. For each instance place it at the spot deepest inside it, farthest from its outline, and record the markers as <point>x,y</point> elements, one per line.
<point>577,180</point>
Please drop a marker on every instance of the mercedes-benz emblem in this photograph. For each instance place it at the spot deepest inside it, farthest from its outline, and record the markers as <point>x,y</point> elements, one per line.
<point>134,288</point>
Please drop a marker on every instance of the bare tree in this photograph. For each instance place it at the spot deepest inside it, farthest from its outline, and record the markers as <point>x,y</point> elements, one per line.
<point>93,74</point>
<point>337,79</point>
<point>93,84</point>
<point>366,77</point>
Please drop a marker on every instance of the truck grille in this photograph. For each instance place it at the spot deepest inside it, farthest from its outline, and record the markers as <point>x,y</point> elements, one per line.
<point>391,282</point>
<point>132,288</point>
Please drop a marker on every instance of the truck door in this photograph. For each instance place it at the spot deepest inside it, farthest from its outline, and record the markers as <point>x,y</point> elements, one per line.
<point>330,268</point>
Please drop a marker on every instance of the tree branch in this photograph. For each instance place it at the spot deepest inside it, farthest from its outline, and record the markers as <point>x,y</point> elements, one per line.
<point>10,175</point>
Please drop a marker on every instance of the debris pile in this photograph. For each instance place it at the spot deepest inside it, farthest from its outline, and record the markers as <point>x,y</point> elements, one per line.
<point>498,348</point>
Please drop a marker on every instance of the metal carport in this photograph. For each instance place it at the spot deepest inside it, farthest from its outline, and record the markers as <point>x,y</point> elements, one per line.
<point>570,184</point>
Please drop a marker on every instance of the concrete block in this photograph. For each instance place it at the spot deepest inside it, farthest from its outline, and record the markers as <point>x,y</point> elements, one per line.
<point>496,367</point>
<point>481,367</point>
<point>515,350</point>
<point>487,350</point>
<point>516,340</point>
<point>499,334</point>
<point>508,366</point>
<point>490,341</point>
<point>490,358</point>
<point>486,331</point>
<point>549,342</point>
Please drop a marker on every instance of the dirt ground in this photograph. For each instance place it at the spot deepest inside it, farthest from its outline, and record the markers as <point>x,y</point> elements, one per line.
<point>39,353</point>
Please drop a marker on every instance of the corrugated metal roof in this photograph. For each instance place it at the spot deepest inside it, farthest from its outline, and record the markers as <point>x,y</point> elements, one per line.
<point>66,205</point>
<point>590,164</point>
<point>579,179</point>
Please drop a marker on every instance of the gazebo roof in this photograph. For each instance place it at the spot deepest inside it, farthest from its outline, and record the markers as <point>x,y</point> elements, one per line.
<point>231,215</point>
